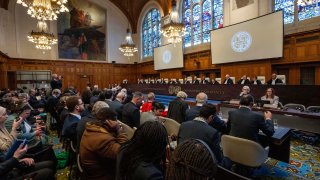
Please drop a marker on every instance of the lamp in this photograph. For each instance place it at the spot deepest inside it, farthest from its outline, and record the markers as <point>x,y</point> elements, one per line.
<point>304,2</point>
<point>174,30</point>
<point>44,9</point>
<point>128,47</point>
<point>41,38</point>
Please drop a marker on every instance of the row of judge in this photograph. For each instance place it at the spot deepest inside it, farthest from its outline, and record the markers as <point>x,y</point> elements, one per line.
<point>228,80</point>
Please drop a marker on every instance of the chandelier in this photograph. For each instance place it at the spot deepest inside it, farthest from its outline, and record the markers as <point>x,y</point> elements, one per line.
<point>128,47</point>
<point>44,9</point>
<point>174,30</point>
<point>305,2</point>
<point>41,38</point>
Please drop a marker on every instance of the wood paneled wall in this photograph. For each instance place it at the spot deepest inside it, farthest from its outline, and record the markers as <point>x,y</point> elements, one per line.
<point>300,50</point>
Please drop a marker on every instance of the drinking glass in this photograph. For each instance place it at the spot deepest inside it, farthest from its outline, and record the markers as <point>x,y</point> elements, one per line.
<point>275,124</point>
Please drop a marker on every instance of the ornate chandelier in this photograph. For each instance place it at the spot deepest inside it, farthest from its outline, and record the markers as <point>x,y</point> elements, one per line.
<point>174,30</point>
<point>128,47</point>
<point>41,38</point>
<point>44,9</point>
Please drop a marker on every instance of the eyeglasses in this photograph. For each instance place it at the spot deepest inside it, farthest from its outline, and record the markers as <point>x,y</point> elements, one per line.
<point>81,104</point>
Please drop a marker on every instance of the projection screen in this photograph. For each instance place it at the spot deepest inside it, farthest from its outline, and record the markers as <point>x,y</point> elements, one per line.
<point>259,38</point>
<point>168,56</point>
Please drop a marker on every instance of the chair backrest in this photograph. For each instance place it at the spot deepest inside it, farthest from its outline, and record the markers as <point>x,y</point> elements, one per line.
<point>243,151</point>
<point>314,109</point>
<point>171,125</point>
<point>181,81</point>
<point>262,79</point>
<point>298,107</point>
<point>223,173</point>
<point>282,77</point>
<point>166,80</point>
<point>233,79</point>
<point>127,129</point>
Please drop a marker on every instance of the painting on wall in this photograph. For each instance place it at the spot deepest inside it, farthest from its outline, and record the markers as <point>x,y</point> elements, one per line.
<point>237,4</point>
<point>81,31</point>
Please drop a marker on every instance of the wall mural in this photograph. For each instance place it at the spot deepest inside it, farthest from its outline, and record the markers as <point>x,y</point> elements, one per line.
<point>81,31</point>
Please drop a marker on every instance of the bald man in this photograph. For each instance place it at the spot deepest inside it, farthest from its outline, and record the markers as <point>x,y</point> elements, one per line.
<point>193,112</point>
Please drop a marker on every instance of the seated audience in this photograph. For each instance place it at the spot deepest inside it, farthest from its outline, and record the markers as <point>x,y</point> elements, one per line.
<point>244,80</point>
<point>100,144</point>
<point>255,81</point>
<point>81,126</point>
<point>270,96</point>
<point>18,167</point>
<point>213,81</point>
<point>178,107</point>
<point>153,115</point>
<point>193,112</point>
<point>75,107</point>
<point>140,157</point>
<point>131,110</point>
<point>274,80</point>
<point>147,106</point>
<point>199,128</point>
<point>196,80</point>
<point>187,163</point>
<point>228,80</point>
<point>244,123</point>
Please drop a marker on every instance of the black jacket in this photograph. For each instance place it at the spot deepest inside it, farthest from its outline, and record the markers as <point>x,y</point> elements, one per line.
<point>244,123</point>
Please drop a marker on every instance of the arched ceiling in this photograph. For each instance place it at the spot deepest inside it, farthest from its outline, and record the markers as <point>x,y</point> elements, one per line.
<point>131,8</point>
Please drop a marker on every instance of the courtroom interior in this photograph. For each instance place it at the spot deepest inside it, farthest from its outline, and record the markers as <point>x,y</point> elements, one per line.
<point>160,89</point>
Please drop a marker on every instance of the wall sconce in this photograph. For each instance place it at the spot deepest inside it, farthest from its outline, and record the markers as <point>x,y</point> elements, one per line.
<point>196,62</point>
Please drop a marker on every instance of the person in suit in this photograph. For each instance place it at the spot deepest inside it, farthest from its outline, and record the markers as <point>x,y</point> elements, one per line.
<point>195,80</point>
<point>274,80</point>
<point>255,81</point>
<point>131,111</point>
<point>270,96</point>
<point>245,91</point>
<point>213,81</point>
<point>75,107</point>
<point>244,80</point>
<point>153,114</point>
<point>116,105</point>
<point>178,107</point>
<point>244,123</point>
<point>194,111</point>
<point>56,82</point>
<point>199,128</point>
<point>206,80</point>
<point>228,80</point>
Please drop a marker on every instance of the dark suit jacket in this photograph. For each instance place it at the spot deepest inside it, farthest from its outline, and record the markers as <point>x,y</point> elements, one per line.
<point>201,130</point>
<point>177,110</point>
<point>192,113</point>
<point>278,81</point>
<point>245,123</point>
<point>6,166</point>
<point>56,84</point>
<point>229,81</point>
<point>131,115</point>
<point>258,82</point>
<point>81,126</point>
<point>116,106</point>
<point>246,81</point>
<point>69,128</point>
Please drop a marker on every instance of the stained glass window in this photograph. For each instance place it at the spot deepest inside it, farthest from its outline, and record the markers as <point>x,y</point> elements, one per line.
<point>151,36</point>
<point>288,9</point>
<point>199,18</point>
<point>309,11</point>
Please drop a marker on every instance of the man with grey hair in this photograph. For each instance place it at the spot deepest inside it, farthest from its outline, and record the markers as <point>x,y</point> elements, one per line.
<point>178,107</point>
<point>56,82</point>
<point>193,112</point>
<point>131,110</point>
<point>116,105</point>
<point>90,117</point>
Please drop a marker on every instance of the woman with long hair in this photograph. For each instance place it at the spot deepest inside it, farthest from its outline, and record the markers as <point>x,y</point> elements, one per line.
<point>270,95</point>
<point>192,159</point>
<point>140,157</point>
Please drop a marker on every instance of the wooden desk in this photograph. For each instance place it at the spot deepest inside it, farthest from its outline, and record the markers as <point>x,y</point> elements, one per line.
<point>307,95</point>
<point>294,120</point>
<point>279,144</point>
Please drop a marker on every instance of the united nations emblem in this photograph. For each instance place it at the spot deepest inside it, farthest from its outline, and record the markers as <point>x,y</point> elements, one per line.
<point>241,41</point>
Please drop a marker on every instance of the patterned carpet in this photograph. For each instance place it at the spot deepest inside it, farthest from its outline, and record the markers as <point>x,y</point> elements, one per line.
<point>304,162</point>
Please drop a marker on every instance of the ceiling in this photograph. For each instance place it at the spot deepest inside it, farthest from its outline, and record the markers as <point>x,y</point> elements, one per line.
<point>131,8</point>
